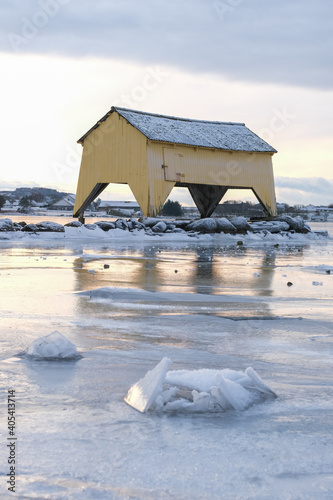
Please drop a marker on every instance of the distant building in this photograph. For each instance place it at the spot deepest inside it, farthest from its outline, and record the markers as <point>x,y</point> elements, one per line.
<point>154,153</point>
<point>119,205</point>
<point>66,203</point>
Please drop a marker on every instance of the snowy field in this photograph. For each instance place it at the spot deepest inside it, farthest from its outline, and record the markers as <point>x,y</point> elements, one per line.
<point>208,304</point>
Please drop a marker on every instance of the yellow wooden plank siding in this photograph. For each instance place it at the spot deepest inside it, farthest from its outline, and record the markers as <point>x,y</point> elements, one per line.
<point>138,148</point>
<point>188,165</point>
<point>114,152</point>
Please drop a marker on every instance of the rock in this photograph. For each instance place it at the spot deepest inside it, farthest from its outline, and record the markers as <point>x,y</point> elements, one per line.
<point>105,225</point>
<point>91,227</point>
<point>135,224</point>
<point>241,224</point>
<point>121,224</point>
<point>149,221</point>
<point>170,226</point>
<point>74,223</point>
<point>7,225</point>
<point>160,227</point>
<point>240,243</point>
<point>203,226</point>
<point>22,224</point>
<point>289,283</point>
<point>270,226</point>
<point>50,227</point>
<point>295,223</point>
<point>106,266</point>
<point>181,223</point>
<point>30,228</point>
<point>225,226</point>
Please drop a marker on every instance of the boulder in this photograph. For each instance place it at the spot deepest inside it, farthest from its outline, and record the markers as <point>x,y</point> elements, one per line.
<point>149,221</point>
<point>181,223</point>
<point>91,227</point>
<point>30,228</point>
<point>121,224</point>
<point>225,226</point>
<point>272,226</point>
<point>7,225</point>
<point>74,223</point>
<point>134,224</point>
<point>241,224</point>
<point>50,227</point>
<point>207,225</point>
<point>160,227</point>
<point>170,226</point>
<point>105,225</point>
<point>296,224</point>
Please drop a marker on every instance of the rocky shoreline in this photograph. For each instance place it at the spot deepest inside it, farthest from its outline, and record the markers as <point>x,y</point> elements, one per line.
<point>151,225</point>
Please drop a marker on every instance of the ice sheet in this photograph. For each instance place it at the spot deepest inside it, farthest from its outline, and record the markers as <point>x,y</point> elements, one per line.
<point>77,437</point>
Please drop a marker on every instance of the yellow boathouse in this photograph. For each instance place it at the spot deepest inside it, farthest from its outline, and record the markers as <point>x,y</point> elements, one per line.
<point>154,153</point>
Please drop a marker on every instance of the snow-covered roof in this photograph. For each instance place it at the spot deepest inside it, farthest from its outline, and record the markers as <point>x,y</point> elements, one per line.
<point>67,200</point>
<point>200,133</point>
<point>119,204</point>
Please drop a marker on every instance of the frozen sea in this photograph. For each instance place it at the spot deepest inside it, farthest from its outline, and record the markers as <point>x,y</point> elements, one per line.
<point>203,302</point>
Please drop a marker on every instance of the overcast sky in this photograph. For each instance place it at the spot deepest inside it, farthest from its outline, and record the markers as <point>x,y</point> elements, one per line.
<point>66,62</point>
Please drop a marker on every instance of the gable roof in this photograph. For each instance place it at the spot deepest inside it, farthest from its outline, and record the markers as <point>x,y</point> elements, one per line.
<point>66,201</point>
<point>199,133</point>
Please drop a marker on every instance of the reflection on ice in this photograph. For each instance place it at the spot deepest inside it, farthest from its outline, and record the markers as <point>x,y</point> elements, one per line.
<point>53,346</point>
<point>202,390</point>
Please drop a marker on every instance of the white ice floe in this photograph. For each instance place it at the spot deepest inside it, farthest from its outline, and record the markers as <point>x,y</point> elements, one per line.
<point>52,346</point>
<point>143,394</point>
<point>203,390</point>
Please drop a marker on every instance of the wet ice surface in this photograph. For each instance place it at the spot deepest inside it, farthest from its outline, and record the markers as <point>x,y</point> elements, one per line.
<point>226,307</point>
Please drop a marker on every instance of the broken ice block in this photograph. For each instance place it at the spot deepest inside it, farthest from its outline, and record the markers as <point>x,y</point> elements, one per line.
<point>52,346</point>
<point>142,395</point>
<point>202,390</point>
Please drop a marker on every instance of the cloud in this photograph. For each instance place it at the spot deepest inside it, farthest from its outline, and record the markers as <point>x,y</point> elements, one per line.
<point>277,42</point>
<point>304,190</point>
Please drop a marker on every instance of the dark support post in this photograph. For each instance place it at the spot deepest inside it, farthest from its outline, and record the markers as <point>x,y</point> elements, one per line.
<point>81,217</point>
<point>206,197</point>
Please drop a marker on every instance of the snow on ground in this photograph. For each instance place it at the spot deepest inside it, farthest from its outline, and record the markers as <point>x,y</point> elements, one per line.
<point>77,437</point>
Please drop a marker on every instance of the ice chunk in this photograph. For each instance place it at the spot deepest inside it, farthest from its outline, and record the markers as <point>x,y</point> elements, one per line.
<point>52,346</point>
<point>235,394</point>
<point>143,394</point>
<point>220,398</point>
<point>203,390</point>
<point>258,382</point>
